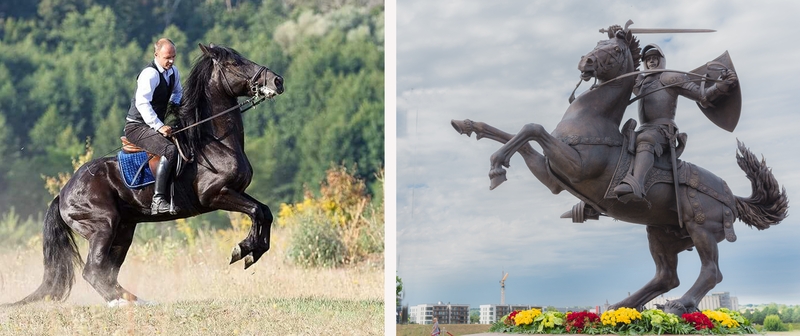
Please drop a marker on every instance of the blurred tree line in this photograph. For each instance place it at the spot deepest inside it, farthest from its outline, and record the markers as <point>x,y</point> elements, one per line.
<point>786,314</point>
<point>68,70</point>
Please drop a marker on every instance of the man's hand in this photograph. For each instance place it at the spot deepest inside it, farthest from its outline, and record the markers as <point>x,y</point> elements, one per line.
<point>729,81</point>
<point>612,30</point>
<point>165,130</point>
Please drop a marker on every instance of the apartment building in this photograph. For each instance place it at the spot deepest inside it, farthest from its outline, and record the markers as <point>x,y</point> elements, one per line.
<point>709,302</point>
<point>445,313</point>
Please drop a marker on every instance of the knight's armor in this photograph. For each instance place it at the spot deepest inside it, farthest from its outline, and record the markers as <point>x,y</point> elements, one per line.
<point>659,93</point>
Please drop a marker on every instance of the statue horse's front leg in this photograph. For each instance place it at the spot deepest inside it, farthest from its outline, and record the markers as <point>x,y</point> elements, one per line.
<point>535,161</point>
<point>565,159</point>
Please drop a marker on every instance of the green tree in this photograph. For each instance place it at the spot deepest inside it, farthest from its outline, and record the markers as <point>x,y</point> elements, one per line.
<point>474,317</point>
<point>398,290</point>
<point>796,315</point>
<point>773,323</point>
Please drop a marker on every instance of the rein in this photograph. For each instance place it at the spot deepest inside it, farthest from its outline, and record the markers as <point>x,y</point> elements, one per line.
<point>255,100</point>
<point>242,107</point>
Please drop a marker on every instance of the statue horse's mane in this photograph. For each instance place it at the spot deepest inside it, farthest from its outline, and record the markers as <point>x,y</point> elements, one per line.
<point>636,51</point>
<point>195,104</point>
<point>633,46</point>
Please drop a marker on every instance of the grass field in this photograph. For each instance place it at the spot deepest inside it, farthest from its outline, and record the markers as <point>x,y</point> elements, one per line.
<point>198,293</point>
<point>455,329</point>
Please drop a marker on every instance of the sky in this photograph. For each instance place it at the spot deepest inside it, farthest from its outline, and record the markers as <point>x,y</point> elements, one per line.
<point>509,63</point>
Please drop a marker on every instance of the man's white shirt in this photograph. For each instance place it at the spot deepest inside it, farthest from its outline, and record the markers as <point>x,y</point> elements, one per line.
<point>146,85</point>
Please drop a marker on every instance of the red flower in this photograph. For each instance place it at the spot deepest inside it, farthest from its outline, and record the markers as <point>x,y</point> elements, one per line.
<point>699,320</point>
<point>510,319</point>
<point>577,321</point>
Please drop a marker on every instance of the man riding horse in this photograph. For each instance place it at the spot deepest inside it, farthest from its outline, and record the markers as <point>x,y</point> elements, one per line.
<point>158,90</point>
<point>658,92</point>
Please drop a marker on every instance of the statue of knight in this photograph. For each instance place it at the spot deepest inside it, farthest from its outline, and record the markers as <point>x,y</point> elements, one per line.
<point>658,92</point>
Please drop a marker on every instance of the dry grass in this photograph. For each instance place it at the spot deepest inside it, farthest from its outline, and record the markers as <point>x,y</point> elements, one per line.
<point>200,294</point>
<point>455,329</point>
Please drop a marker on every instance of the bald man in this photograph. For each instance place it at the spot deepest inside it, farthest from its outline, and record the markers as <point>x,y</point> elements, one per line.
<point>157,87</point>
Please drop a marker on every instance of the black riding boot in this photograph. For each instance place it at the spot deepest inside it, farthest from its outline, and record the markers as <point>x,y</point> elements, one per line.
<point>160,198</point>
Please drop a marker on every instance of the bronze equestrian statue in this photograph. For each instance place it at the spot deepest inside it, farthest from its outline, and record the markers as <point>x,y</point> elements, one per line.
<point>683,206</point>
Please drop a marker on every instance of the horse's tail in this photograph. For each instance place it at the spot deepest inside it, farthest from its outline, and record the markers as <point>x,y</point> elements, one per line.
<point>768,205</point>
<point>60,257</point>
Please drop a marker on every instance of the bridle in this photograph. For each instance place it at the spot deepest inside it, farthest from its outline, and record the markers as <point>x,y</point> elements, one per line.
<point>254,86</point>
<point>620,58</point>
<point>241,107</point>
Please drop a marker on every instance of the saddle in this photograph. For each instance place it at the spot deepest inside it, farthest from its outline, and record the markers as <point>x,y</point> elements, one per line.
<point>694,178</point>
<point>129,148</point>
<point>138,167</point>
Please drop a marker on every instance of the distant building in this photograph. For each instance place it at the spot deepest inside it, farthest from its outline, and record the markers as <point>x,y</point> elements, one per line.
<point>492,313</point>
<point>710,302</point>
<point>445,313</point>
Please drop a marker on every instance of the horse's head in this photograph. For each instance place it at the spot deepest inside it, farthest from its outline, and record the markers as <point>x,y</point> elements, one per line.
<point>613,57</point>
<point>240,76</point>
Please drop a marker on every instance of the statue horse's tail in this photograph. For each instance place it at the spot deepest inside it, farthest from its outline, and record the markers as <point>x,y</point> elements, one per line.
<point>60,257</point>
<point>768,205</point>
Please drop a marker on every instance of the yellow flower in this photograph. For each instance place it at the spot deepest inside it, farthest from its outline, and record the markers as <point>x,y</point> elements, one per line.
<point>621,315</point>
<point>722,318</point>
<point>329,205</point>
<point>526,316</point>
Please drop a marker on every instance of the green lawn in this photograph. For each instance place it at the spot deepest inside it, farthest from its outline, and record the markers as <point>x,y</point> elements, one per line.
<point>455,329</point>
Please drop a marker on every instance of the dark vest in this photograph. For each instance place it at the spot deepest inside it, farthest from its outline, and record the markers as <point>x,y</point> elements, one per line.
<point>160,97</point>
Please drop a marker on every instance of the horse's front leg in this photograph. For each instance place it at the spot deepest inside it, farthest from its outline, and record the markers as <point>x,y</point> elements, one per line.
<point>567,158</point>
<point>536,162</point>
<point>252,247</point>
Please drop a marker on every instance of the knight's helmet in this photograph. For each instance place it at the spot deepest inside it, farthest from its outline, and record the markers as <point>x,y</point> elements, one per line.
<point>654,49</point>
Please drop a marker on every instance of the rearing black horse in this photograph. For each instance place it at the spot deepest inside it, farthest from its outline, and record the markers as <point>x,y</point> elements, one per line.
<point>98,205</point>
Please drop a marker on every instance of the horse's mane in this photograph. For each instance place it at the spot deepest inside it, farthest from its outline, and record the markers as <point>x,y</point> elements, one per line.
<point>195,104</point>
<point>636,52</point>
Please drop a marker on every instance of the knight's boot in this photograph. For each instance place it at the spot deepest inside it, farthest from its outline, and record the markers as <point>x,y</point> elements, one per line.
<point>161,204</point>
<point>632,186</point>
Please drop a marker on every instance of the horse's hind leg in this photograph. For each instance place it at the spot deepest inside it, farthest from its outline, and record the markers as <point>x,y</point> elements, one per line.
<point>664,248</point>
<point>119,250</point>
<point>705,237</point>
<point>108,246</point>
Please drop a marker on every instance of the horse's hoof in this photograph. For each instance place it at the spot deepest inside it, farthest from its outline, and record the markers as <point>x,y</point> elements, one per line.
<point>497,177</point>
<point>249,261</point>
<point>675,307</point>
<point>120,303</point>
<point>462,126</point>
<point>236,254</point>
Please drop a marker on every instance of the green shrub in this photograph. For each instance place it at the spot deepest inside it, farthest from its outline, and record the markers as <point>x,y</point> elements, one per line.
<point>15,231</point>
<point>315,241</point>
<point>774,323</point>
<point>340,226</point>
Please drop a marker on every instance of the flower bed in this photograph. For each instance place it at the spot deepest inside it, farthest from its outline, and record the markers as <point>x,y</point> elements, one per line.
<point>624,321</point>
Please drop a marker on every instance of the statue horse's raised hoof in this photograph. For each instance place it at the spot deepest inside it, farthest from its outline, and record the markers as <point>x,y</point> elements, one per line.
<point>463,127</point>
<point>497,176</point>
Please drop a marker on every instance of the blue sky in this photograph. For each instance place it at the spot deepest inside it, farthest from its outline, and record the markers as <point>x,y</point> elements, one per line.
<point>508,63</point>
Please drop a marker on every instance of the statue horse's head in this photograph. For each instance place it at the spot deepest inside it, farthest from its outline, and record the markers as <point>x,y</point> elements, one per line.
<point>613,57</point>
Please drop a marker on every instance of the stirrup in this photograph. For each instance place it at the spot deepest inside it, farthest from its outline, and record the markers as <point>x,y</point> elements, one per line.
<point>636,192</point>
<point>160,206</point>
